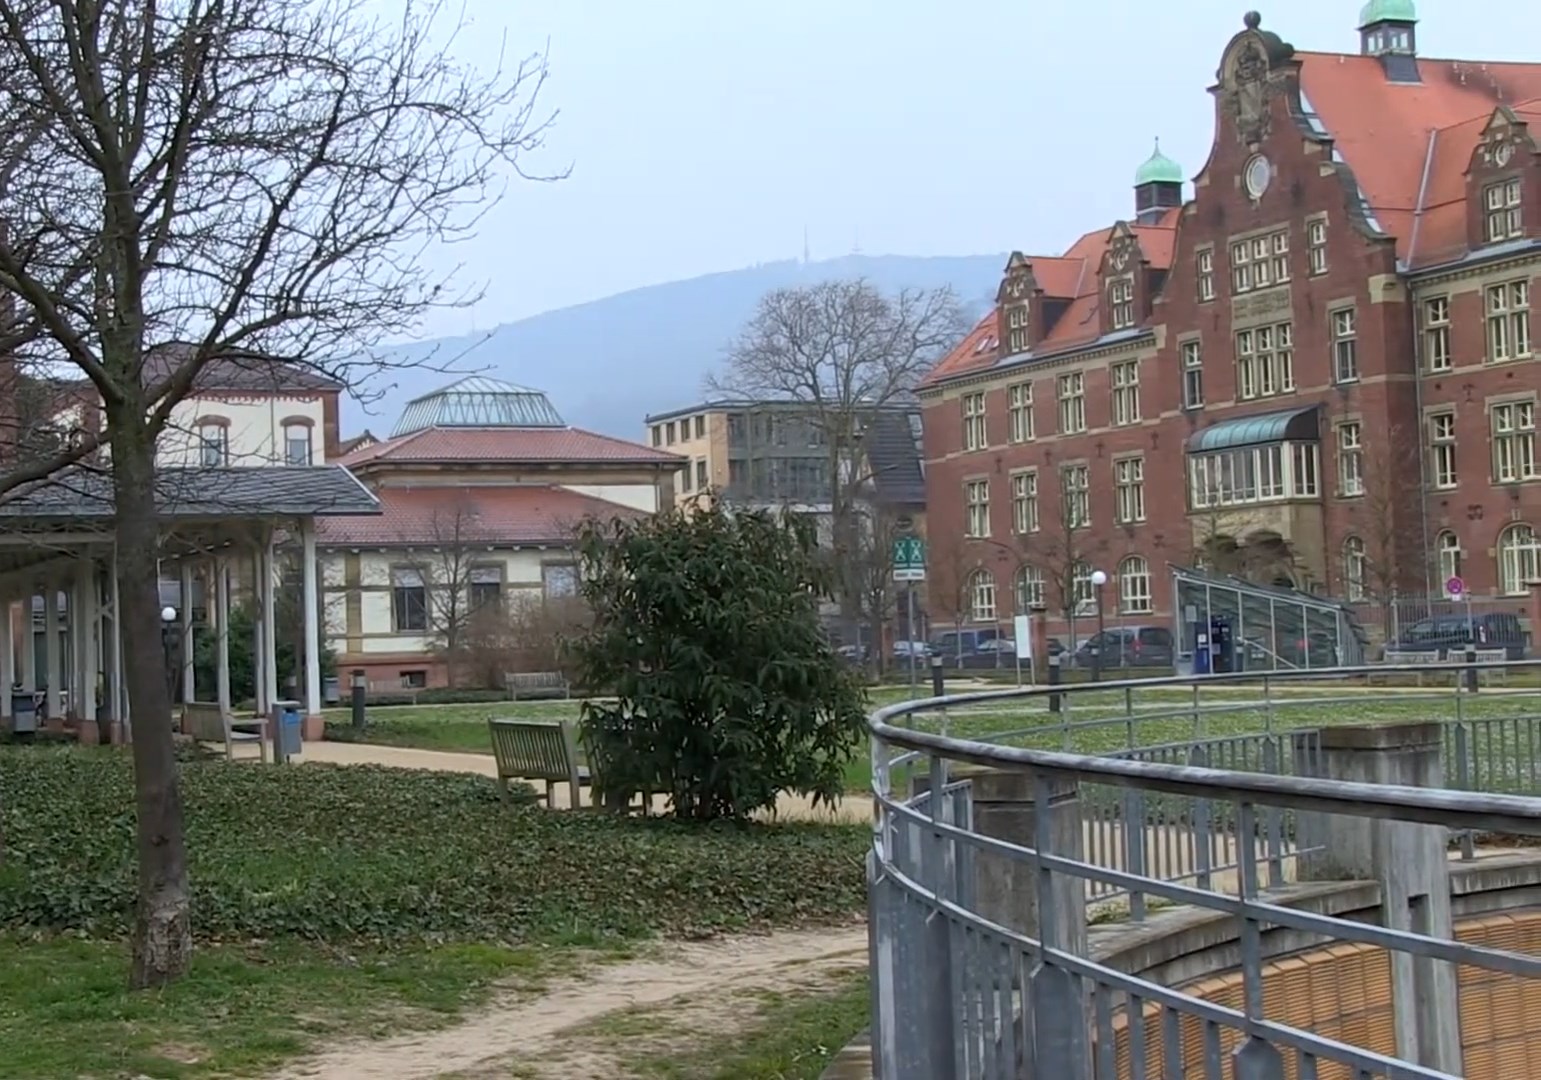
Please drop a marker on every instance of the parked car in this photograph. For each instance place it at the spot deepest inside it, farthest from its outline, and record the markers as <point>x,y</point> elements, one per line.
<point>1489,630</point>
<point>981,648</point>
<point>1127,646</point>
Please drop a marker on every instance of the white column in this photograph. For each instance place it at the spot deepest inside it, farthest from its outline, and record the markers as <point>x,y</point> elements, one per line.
<point>52,672</point>
<point>189,689</point>
<point>7,658</point>
<point>312,618</point>
<point>76,608</point>
<point>269,622</point>
<point>258,629</point>
<point>28,645</point>
<point>222,619</point>
<point>90,636</point>
<point>120,711</point>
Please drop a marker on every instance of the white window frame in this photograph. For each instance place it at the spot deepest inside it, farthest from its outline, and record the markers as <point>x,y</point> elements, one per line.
<point>1070,390</point>
<point>1265,361</point>
<point>1447,550</point>
<point>1019,399</point>
<point>1129,490</point>
<point>290,441</point>
<point>1355,569</point>
<point>1029,588</point>
<point>1501,216</point>
<point>1516,559</point>
<point>1350,440</point>
<point>1134,592</point>
<point>1193,374</point>
<point>975,434</point>
<point>1436,334</point>
<point>1125,378</point>
<point>1076,493</point>
<point>1024,502</point>
<point>1316,247</point>
<point>976,502</point>
<point>1018,323</point>
<point>1508,321</point>
<point>1512,427</point>
<point>213,437</point>
<point>981,596</point>
<point>1121,302</point>
<point>1344,324</point>
<point>1443,473</point>
<point>1204,262</point>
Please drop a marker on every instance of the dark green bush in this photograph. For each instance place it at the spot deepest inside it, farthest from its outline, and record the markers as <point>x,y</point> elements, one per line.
<point>357,853</point>
<point>727,690</point>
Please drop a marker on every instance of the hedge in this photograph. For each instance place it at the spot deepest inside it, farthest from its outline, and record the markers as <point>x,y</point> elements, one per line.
<point>370,854</point>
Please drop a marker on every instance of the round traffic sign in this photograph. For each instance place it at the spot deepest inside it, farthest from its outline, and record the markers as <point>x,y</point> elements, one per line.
<point>1455,587</point>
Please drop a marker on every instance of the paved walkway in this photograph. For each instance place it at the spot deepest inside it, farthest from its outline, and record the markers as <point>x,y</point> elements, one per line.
<point>793,807</point>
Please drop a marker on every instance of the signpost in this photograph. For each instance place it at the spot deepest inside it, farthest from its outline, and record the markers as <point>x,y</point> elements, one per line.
<point>909,567</point>
<point>1022,631</point>
<point>1455,588</point>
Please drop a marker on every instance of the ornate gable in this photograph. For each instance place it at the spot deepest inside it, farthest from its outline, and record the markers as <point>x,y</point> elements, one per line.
<point>1015,301</point>
<point>1258,67</point>
<point>1504,142</point>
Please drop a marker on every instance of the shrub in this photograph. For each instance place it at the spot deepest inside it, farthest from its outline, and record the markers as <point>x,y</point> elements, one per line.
<point>727,690</point>
<point>361,854</point>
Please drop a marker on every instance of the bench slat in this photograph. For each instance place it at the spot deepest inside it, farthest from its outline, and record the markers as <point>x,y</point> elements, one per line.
<point>537,750</point>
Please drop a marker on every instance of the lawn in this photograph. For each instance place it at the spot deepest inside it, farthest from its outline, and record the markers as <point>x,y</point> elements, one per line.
<point>330,899</point>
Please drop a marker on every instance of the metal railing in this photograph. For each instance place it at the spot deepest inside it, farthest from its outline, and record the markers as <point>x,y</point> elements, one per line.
<point>1204,793</point>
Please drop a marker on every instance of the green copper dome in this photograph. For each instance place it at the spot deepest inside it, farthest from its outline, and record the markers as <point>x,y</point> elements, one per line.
<point>1160,169</point>
<point>1387,11</point>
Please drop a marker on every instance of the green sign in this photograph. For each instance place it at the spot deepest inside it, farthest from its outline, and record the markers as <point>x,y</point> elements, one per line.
<point>909,559</point>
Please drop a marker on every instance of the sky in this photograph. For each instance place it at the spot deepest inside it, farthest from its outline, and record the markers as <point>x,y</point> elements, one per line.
<point>708,135</point>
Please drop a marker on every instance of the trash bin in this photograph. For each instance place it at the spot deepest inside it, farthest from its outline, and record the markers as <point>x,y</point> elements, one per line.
<point>23,713</point>
<point>286,722</point>
<point>331,690</point>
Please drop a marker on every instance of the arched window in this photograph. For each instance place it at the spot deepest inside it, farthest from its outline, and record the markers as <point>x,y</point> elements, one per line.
<point>1134,586</point>
<point>1447,547</point>
<point>981,596</point>
<point>1029,589</point>
<point>1516,559</point>
<point>213,442</point>
<point>1353,568</point>
<point>297,442</point>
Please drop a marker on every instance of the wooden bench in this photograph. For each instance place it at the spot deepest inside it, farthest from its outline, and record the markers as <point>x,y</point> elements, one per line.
<point>538,750</point>
<point>382,691</point>
<point>205,721</point>
<point>536,684</point>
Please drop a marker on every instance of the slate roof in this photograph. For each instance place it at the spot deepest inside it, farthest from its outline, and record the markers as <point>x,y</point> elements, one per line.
<point>893,452</point>
<point>82,494</point>
<point>495,516</point>
<point>508,444</point>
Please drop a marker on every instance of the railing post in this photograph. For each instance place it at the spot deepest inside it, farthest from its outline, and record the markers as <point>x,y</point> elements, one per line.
<point>1060,1006</point>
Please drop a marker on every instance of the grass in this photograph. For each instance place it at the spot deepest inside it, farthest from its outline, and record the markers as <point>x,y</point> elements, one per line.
<point>65,1010</point>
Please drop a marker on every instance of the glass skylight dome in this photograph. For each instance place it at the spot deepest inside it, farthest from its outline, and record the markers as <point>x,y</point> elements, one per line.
<point>479,402</point>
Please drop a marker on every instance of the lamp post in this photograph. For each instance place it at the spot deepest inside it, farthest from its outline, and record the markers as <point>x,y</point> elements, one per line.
<point>170,633</point>
<point>1099,579</point>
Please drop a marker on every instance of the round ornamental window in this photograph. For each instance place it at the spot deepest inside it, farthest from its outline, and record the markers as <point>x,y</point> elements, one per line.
<point>1257,175</point>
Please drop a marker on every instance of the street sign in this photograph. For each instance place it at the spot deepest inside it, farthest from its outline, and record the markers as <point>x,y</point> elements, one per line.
<point>909,559</point>
<point>1455,587</point>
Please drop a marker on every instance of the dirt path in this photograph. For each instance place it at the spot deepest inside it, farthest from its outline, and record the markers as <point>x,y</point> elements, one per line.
<point>792,807</point>
<point>545,1037</point>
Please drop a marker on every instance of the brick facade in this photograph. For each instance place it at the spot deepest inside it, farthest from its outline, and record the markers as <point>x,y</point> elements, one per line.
<point>1368,216</point>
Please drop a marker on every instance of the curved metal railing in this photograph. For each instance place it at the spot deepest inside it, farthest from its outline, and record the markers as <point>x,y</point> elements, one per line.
<point>983,882</point>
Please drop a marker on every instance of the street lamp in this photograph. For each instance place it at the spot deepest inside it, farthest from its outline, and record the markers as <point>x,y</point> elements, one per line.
<point>1099,579</point>
<point>169,642</point>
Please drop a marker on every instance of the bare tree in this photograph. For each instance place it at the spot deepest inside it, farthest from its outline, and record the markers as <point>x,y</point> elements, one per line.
<point>1380,518</point>
<point>187,180</point>
<point>843,349</point>
<point>452,568</point>
<point>1064,550</point>
<point>1258,556</point>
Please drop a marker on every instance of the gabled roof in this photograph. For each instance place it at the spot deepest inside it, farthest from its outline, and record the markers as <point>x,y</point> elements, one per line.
<point>525,446</point>
<point>82,494</point>
<point>494,517</point>
<point>892,446</point>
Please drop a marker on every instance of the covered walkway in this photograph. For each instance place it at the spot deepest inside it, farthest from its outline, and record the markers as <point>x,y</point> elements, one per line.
<point>220,526</point>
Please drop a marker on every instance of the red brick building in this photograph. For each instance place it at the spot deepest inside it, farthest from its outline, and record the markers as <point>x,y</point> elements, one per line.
<point>1320,366</point>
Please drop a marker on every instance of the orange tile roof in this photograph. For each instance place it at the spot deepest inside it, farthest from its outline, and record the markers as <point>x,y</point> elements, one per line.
<point>501,516</point>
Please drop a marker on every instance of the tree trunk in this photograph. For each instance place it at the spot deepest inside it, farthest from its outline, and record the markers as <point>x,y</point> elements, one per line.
<point>162,943</point>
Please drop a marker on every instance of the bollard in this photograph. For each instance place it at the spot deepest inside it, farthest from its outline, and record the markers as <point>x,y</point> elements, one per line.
<point>1054,680</point>
<point>938,677</point>
<point>360,688</point>
<point>1471,669</point>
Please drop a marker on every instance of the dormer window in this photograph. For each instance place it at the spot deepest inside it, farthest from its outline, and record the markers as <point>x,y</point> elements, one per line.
<point>1501,210</point>
<point>1016,329</point>
<point>1121,302</point>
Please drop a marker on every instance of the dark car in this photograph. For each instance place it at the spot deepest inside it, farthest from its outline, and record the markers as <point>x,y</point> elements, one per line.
<point>1127,646</point>
<point>981,648</point>
<point>1490,630</point>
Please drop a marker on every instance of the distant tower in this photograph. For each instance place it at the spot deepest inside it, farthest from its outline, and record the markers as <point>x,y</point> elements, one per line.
<point>856,241</point>
<point>806,259</point>
<point>1158,186</point>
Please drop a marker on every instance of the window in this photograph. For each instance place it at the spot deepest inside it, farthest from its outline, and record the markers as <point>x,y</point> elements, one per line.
<point>1075,490</point>
<point>1019,400</point>
<point>1121,302</point>
<point>1126,392</point>
<point>1447,548</point>
<point>213,444</point>
<point>409,600</point>
<point>1252,474</point>
<point>1508,321</point>
<point>1193,374</point>
<point>1265,362</point>
<point>297,444</point>
<point>976,498</point>
<point>1442,449</point>
<point>701,475</point>
<point>1514,441</point>
<point>1436,333</point>
<point>1016,329</point>
<point>981,596</point>
<point>974,435</point>
<point>413,680</point>
<point>1345,347</point>
<point>1083,594</point>
<point>1350,460</point>
<point>1316,247</point>
<point>701,427</point>
<point>1206,274</point>
<point>1354,569</point>
<point>1024,502</point>
<point>485,587</point>
<point>1029,589</point>
<point>1072,403</point>
<point>686,481</point>
<point>559,580</point>
<point>1134,586</point>
<point>657,435</point>
<point>1516,559</point>
<point>668,433</point>
<point>1260,262</point>
<point>1129,490</point>
<point>1501,210</point>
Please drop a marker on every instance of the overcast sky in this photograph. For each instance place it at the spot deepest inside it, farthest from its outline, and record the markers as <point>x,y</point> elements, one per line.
<point>705,135</point>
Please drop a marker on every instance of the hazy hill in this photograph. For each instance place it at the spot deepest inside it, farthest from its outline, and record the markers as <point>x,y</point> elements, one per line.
<point>610,362</point>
